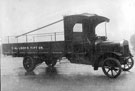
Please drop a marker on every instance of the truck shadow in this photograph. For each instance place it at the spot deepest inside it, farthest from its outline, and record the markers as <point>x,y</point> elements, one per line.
<point>52,76</point>
<point>48,72</point>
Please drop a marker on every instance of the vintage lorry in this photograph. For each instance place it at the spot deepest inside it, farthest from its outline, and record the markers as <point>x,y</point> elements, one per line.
<point>82,47</point>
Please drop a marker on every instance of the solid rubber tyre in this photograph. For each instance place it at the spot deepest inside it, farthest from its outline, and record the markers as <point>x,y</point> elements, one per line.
<point>111,67</point>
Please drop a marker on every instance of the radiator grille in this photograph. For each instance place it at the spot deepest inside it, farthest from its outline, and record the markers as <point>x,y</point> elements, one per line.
<point>126,49</point>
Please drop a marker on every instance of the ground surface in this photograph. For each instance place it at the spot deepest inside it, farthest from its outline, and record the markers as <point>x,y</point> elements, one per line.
<point>64,77</point>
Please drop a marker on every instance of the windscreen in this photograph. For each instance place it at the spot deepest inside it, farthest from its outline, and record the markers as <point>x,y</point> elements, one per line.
<point>101,29</point>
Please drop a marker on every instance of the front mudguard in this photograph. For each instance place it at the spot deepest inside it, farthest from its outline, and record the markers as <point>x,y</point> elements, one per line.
<point>100,59</point>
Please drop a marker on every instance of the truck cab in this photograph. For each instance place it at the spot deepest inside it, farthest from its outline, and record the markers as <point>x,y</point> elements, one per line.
<point>82,43</point>
<point>86,47</point>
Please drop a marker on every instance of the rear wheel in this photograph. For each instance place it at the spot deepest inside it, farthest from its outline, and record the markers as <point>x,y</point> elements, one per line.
<point>111,67</point>
<point>29,64</point>
<point>129,63</point>
<point>51,63</point>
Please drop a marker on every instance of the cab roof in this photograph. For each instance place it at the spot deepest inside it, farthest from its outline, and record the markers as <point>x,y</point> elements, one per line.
<point>80,18</point>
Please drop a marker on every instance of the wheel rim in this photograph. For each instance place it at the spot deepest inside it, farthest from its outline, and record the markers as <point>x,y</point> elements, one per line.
<point>128,64</point>
<point>111,68</point>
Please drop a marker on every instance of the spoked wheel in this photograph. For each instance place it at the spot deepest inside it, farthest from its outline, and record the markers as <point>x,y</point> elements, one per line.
<point>111,67</point>
<point>29,64</point>
<point>129,62</point>
<point>51,63</point>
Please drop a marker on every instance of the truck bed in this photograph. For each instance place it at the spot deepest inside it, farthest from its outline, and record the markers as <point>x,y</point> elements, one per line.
<point>32,48</point>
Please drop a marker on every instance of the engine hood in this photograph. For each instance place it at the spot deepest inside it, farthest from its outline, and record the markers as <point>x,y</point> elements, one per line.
<point>121,43</point>
<point>107,42</point>
<point>121,47</point>
<point>111,46</point>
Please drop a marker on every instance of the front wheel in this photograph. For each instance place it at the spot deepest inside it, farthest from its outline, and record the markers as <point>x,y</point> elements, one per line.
<point>111,67</point>
<point>129,63</point>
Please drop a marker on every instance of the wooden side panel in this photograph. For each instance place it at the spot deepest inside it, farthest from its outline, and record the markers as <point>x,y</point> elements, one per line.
<point>44,47</point>
<point>57,47</point>
<point>38,48</point>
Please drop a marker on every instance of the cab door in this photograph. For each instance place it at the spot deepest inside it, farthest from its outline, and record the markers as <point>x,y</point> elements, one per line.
<point>89,41</point>
<point>81,46</point>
